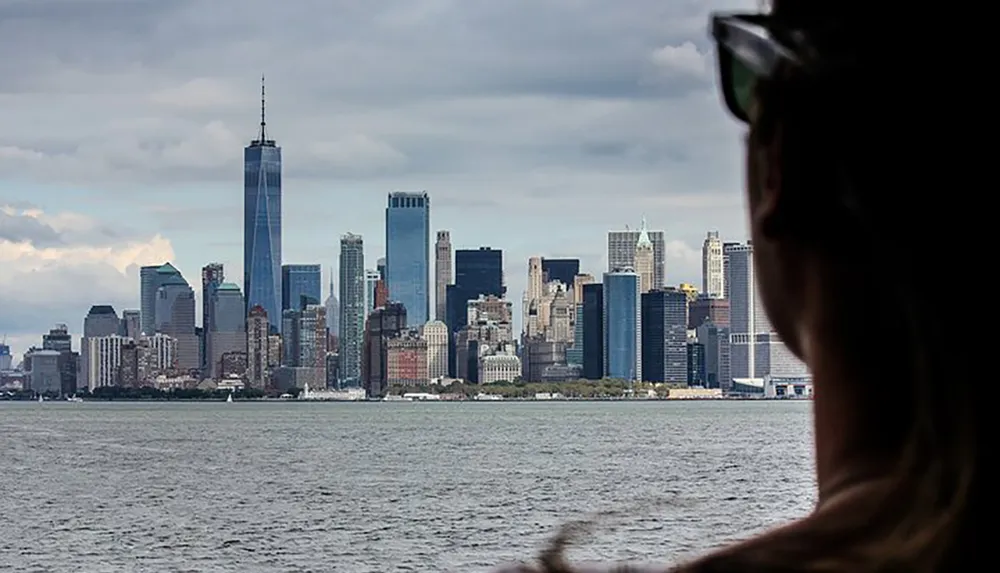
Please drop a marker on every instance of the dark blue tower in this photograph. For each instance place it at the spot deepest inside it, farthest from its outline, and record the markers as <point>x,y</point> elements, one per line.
<point>262,223</point>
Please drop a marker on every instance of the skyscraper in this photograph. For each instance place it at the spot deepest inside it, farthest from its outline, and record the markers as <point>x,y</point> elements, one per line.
<point>442,274</point>
<point>755,349</point>
<point>175,311</point>
<point>298,281</point>
<point>150,280</point>
<point>622,325</point>
<point>212,276</point>
<point>645,263</point>
<point>352,308</point>
<point>407,252</point>
<point>262,222</point>
<point>227,330</point>
<point>664,336</point>
<point>621,252</point>
<point>712,274</point>
<point>478,272</point>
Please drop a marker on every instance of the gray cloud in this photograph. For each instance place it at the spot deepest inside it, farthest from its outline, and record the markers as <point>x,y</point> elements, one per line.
<point>569,117</point>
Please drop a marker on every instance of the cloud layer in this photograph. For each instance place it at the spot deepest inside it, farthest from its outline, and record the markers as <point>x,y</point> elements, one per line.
<point>535,125</point>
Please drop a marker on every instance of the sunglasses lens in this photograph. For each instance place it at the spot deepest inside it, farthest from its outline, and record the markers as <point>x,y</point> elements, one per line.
<point>740,86</point>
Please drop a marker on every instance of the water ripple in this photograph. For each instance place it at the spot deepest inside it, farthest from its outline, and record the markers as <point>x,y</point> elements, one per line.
<point>365,488</point>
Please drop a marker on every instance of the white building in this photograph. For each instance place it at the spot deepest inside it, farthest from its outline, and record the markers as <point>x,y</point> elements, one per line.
<point>499,368</point>
<point>104,356</point>
<point>712,274</point>
<point>435,333</point>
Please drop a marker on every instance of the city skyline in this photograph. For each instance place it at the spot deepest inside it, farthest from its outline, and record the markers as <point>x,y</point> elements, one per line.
<point>161,182</point>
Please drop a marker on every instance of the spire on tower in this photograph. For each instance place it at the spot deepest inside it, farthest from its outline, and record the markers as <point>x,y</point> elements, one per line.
<point>262,122</point>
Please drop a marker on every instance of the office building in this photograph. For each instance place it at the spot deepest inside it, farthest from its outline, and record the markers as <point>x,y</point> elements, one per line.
<point>664,336</point>
<point>622,325</point>
<point>621,252</point>
<point>262,223</point>
<point>301,286</point>
<point>442,274</point>
<point>407,252</point>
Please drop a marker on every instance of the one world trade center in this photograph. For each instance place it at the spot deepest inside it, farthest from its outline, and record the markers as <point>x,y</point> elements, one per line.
<point>262,223</point>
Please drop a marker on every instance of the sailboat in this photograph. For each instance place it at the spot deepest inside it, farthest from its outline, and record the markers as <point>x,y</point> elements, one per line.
<point>40,399</point>
<point>229,399</point>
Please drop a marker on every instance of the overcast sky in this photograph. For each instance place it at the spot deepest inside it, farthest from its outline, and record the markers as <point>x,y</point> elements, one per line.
<point>535,125</point>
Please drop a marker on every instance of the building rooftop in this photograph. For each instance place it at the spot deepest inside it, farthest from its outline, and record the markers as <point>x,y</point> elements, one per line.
<point>168,269</point>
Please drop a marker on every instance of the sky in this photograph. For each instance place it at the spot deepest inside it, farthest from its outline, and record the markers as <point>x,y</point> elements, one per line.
<point>536,126</point>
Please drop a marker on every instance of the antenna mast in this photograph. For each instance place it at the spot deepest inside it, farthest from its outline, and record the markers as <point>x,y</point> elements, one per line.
<point>263,123</point>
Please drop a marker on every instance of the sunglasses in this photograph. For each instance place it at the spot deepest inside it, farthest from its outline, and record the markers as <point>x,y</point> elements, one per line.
<point>749,50</point>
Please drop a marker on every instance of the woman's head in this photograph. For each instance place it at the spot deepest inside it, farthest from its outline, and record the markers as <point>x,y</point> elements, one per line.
<point>843,227</point>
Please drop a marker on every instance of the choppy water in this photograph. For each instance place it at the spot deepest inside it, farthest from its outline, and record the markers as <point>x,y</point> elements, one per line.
<point>387,487</point>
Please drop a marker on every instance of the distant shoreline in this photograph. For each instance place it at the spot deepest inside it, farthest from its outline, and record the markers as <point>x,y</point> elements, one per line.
<point>314,401</point>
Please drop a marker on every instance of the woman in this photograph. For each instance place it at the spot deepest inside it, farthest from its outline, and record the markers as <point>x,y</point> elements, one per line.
<point>844,238</point>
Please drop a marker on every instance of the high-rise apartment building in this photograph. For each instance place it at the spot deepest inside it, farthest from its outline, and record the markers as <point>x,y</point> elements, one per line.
<point>262,222</point>
<point>664,336</point>
<point>301,286</point>
<point>712,275</point>
<point>407,252</point>
<point>442,274</point>
<point>352,308</point>
<point>755,349</point>
<point>101,321</point>
<point>621,252</point>
<point>622,325</point>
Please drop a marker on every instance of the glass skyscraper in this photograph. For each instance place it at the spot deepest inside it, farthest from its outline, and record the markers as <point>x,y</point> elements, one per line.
<point>298,281</point>
<point>407,253</point>
<point>262,223</point>
<point>622,325</point>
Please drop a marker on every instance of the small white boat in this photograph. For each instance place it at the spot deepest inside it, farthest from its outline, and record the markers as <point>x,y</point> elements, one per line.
<point>74,398</point>
<point>229,398</point>
<point>40,399</point>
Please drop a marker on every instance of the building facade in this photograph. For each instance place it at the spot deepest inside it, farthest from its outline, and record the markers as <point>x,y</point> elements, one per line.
<point>664,336</point>
<point>621,252</point>
<point>353,311</point>
<point>712,266</point>
<point>442,274</point>
<point>301,285</point>
<point>622,325</point>
<point>407,252</point>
